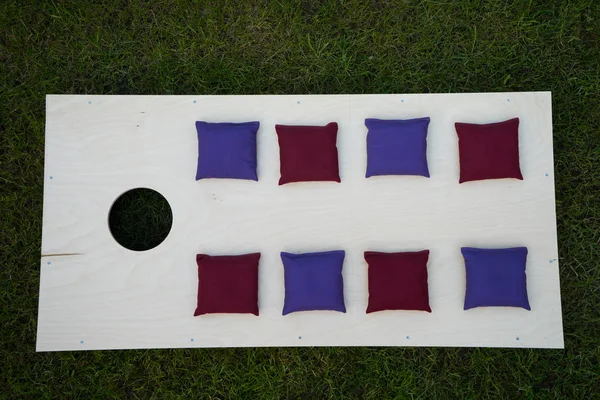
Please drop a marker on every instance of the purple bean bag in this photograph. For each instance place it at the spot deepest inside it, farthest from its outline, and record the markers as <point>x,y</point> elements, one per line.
<point>313,281</point>
<point>397,147</point>
<point>496,277</point>
<point>227,150</point>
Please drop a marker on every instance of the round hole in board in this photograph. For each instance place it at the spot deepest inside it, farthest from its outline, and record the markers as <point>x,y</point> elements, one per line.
<point>140,219</point>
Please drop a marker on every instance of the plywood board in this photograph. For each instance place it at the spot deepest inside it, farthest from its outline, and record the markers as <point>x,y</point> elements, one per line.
<point>94,294</point>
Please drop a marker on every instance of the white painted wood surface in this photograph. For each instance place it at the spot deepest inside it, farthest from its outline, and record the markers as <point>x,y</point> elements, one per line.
<point>103,296</point>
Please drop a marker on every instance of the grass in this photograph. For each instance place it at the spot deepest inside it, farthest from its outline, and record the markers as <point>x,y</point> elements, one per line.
<point>250,47</point>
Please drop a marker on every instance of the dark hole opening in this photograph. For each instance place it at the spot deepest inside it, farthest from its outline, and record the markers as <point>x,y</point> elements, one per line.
<point>140,219</point>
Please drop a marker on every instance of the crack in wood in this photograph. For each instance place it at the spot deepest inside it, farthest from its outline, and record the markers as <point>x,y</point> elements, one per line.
<point>62,254</point>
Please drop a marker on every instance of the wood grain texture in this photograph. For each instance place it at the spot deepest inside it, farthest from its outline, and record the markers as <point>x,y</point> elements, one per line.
<point>94,294</point>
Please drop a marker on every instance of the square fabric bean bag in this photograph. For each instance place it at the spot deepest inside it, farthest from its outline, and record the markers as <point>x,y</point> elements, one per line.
<point>313,281</point>
<point>496,277</point>
<point>308,153</point>
<point>489,151</point>
<point>227,284</point>
<point>397,147</point>
<point>227,150</point>
<point>398,281</point>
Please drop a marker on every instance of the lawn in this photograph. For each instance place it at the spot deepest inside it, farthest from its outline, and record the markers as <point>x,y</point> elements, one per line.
<point>255,47</point>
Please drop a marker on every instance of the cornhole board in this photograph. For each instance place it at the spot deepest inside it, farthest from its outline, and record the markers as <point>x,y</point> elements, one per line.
<point>95,294</point>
